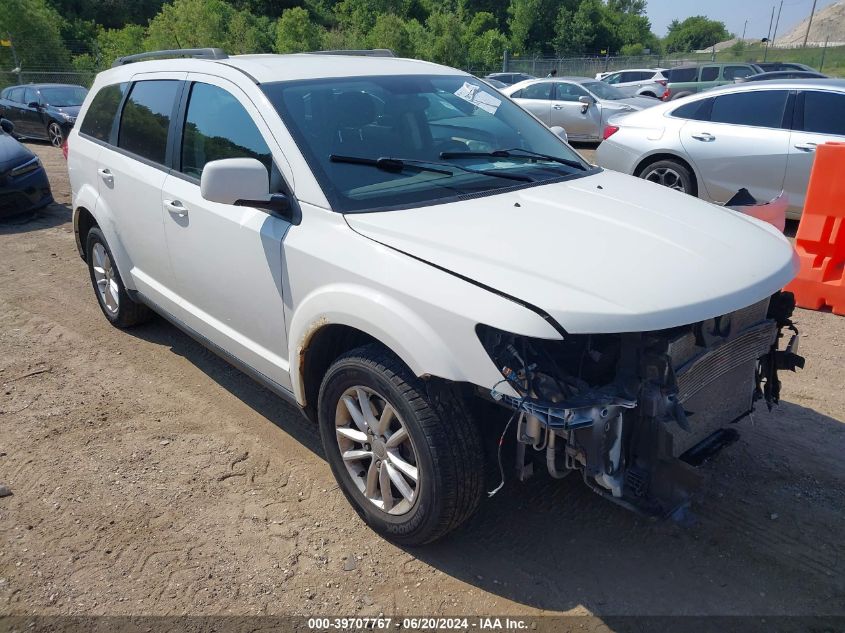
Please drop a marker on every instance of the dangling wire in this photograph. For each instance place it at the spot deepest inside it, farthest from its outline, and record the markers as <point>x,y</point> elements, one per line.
<point>501,485</point>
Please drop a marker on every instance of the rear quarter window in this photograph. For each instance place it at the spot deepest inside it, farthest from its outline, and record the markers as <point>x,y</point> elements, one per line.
<point>145,120</point>
<point>695,111</point>
<point>101,113</point>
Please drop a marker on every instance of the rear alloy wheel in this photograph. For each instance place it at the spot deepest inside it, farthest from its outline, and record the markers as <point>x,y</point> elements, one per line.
<point>115,303</point>
<point>405,452</point>
<point>671,174</point>
<point>55,134</point>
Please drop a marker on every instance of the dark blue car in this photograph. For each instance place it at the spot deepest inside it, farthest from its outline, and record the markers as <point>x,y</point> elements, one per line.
<point>42,111</point>
<point>23,180</point>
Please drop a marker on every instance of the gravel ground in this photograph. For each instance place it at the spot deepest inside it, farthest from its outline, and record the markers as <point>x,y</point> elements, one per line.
<point>150,477</point>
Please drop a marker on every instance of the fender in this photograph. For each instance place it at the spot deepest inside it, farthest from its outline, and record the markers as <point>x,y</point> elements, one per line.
<point>452,353</point>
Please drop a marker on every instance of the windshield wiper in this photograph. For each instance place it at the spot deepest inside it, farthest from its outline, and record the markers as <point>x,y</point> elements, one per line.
<point>396,165</point>
<point>508,153</point>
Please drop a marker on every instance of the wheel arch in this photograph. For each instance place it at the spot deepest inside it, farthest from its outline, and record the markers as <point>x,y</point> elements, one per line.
<point>83,222</point>
<point>658,156</point>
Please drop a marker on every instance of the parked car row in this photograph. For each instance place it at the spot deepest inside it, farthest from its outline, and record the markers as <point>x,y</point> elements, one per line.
<point>758,135</point>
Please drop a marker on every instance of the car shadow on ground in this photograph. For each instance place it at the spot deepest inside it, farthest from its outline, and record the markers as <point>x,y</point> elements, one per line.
<point>555,545</point>
<point>48,217</point>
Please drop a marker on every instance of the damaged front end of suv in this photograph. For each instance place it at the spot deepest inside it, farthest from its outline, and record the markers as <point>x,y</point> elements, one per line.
<point>634,412</point>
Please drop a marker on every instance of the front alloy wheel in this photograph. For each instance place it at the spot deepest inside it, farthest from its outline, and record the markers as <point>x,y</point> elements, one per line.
<point>405,451</point>
<point>377,450</point>
<point>55,134</point>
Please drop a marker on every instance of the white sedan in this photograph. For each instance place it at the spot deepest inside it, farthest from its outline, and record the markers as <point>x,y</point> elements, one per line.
<point>580,105</point>
<point>760,136</point>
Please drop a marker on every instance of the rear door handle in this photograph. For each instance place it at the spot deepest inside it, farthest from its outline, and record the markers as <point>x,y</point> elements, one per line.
<point>704,136</point>
<point>106,175</point>
<point>557,106</point>
<point>806,147</point>
<point>175,207</point>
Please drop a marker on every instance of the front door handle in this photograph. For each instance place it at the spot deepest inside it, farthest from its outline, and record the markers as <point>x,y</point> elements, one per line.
<point>175,207</point>
<point>106,175</point>
<point>704,136</point>
<point>557,106</point>
<point>806,147</point>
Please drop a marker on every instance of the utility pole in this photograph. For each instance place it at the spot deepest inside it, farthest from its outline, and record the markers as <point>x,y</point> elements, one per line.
<point>824,50</point>
<point>745,26</point>
<point>809,24</point>
<point>769,34</point>
<point>777,21</point>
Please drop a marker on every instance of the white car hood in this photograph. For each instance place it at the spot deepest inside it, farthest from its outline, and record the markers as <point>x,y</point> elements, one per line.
<point>603,253</point>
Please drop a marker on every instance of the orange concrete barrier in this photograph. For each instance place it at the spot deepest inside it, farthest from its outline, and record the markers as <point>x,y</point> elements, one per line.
<point>820,241</point>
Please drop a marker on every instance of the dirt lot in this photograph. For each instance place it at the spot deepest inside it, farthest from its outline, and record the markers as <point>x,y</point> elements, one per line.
<point>150,477</point>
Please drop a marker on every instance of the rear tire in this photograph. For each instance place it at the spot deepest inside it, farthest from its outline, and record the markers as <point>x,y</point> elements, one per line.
<point>439,462</point>
<point>117,306</point>
<point>670,173</point>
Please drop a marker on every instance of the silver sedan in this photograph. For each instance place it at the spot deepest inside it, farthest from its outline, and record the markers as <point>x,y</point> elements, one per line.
<point>761,136</point>
<point>580,105</point>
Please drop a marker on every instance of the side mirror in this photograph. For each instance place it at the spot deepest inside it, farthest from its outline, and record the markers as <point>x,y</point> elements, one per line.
<point>7,126</point>
<point>560,132</point>
<point>586,102</point>
<point>243,182</point>
<point>33,104</point>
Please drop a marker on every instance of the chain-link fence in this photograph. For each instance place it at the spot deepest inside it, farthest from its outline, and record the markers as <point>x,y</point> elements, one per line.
<point>46,77</point>
<point>588,66</point>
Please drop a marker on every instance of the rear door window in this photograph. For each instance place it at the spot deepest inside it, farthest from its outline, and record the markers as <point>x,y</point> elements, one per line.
<point>101,113</point>
<point>542,90</point>
<point>217,126</point>
<point>824,112</point>
<point>16,95</point>
<point>146,118</point>
<point>710,73</point>
<point>678,75</point>
<point>761,108</point>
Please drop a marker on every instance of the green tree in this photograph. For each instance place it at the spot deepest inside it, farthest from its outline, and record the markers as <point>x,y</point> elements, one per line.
<point>590,29</point>
<point>35,29</point>
<point>389,31</point>
<point>445,46</point>
<point>297,32</point>
<point>114,43</point>
<point>694,33</point>
<point>190,24</point>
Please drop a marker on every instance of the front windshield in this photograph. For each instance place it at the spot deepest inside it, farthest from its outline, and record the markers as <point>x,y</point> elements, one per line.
<point>603,90</point>
<point>62,96</point>
<point>445,131</point>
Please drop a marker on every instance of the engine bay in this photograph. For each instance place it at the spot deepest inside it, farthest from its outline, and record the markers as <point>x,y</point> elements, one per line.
<point>634,413</point>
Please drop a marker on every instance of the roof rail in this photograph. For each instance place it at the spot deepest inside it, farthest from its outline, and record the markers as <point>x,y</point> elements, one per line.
<point>373,52</point>
<point>198,53</point>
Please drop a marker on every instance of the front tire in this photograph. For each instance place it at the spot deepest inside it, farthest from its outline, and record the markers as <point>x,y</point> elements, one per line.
<point>405,452</point>
<point>117,306</point>
<point>55,134</point>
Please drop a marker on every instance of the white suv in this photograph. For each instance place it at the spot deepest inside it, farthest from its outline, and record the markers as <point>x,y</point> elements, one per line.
<point>421,266</point>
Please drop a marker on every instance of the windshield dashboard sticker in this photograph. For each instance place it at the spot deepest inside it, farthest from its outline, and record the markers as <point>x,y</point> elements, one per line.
<point>477,97</point>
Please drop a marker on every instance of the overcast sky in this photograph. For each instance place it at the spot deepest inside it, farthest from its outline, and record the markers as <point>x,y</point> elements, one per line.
<point>733,13</point>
